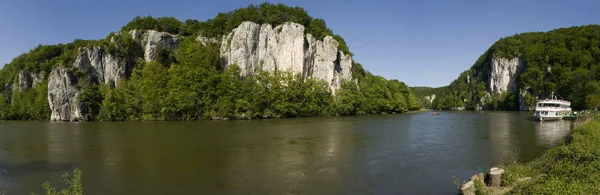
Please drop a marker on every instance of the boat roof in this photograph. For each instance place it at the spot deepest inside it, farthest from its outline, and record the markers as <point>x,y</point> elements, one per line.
<point>554,101</point>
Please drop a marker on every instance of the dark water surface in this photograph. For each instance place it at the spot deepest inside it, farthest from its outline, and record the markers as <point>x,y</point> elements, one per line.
<point>391,154</point>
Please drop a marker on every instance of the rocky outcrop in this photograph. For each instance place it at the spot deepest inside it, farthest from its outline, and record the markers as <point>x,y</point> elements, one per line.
<point>430,98</point>
<point>503,74</point>
<point>105,67</point>
<point>102,66</point>
<point>206,41</point>
<point>483,102</point>
<point>256,48</point>
<point>27,79</point>
<point>62,96</point>
<point>154,41</point>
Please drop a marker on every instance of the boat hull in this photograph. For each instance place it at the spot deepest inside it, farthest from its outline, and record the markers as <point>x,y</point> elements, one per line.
<point>547,118</point>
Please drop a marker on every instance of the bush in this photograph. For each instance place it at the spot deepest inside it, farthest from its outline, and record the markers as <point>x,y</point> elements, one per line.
<point>73,183</point>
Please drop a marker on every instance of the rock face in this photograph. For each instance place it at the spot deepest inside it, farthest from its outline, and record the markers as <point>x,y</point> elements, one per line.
<point>257,48</point>
<point>503,74</point>
<point>62,96</point>
<point>206,41</point>
<point>27,79</point>
<point>430,98</point>
<point>155,40</point>
<point>103,66</point>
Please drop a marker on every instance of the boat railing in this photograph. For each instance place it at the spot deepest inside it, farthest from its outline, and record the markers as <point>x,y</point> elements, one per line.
<point>554,100</point>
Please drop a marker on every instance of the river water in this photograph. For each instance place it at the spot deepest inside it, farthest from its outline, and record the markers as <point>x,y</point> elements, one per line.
<point>389,154</point>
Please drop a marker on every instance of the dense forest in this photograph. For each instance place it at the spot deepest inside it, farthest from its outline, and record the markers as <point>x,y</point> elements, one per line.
<point>565,61</point>
<point>189,83</point>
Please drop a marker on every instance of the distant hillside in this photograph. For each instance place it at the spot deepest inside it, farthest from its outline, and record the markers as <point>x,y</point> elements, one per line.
<point>518,70</point>
<point>426,95</point>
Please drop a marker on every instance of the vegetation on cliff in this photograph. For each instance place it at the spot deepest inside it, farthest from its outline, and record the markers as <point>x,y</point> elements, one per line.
<point>265,13</point>
<point>570,168</point>
<point>565,61</point>
<point>189,83</point>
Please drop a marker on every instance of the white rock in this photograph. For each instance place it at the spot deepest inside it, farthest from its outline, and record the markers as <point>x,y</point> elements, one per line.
<point>206,41</point>
<point>267,48</point>
<point>503,74</point>
<point>27,79</point>
<point>103,66</point>
<point>156,40</point>
<point>62,96</point>
<point>430,98</point>
<point>285,48</point>
<point>324,60</point>
<point>240,47</point>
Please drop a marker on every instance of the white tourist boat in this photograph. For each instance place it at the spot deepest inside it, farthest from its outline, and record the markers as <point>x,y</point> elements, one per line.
<point>552,109</point>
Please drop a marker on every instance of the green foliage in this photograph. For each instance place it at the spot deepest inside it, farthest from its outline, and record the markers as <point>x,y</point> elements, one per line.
<point>570,168</point>
<point>123,46</point>
<point>423,95</point>
<point>31,104</point>
<point>223,23</point>
<point>479,187</point>
<point>73,183</point>
<point>163,24</point>
<point>91,98</point>
<point>375,95</point>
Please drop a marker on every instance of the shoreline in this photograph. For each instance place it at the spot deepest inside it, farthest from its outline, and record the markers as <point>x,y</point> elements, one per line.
<point>229,119</point>
<point>550,173</point>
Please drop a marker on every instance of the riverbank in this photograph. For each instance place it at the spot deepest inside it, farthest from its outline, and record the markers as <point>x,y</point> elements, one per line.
<point>573,167</point>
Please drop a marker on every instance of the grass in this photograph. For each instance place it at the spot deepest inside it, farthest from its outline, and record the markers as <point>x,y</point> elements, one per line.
<point>573,167</point>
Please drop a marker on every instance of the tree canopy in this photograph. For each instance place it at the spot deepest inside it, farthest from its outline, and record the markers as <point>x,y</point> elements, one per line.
<point>223,23</point>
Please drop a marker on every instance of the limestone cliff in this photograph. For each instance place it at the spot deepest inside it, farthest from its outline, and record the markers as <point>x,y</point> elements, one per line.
<point>503,74</point>
<point>286,47</point>
<point>27,79</point>
<point>62,96</point>
<point>153,40</point>
<point>430,98</point>
<point>251,46</point>
<point>103,66</point>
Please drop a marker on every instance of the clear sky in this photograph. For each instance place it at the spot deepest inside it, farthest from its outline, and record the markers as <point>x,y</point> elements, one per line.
<point>420,42</point>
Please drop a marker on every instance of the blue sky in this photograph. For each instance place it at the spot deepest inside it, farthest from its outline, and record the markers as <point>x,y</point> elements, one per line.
<point>420,42</point>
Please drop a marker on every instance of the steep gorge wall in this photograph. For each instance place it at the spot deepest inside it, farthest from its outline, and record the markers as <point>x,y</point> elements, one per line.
<point>252,47</point>
<point>286,47</point>
<point>503,74</point>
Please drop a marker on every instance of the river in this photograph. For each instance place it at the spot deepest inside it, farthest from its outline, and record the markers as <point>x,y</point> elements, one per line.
<point>388,154</point>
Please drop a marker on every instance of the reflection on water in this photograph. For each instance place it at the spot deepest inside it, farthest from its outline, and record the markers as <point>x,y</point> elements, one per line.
<point>501,135</point>
<point>393,154</point>
<point>550,133</point>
